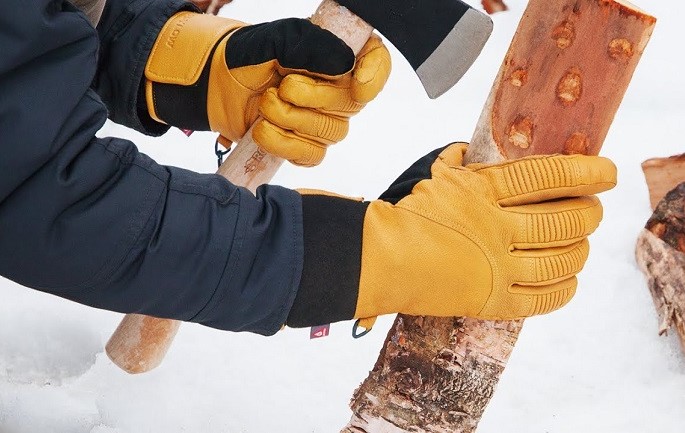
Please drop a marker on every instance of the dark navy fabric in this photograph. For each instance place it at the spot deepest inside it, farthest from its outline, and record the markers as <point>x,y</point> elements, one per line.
<point>95,221</point>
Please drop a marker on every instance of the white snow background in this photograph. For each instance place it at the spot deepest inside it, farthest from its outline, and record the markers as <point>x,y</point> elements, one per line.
<point>595,366</point>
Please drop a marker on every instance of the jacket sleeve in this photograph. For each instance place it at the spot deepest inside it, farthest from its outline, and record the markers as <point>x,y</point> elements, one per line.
<point>95,221</point>
<point>127,31</point>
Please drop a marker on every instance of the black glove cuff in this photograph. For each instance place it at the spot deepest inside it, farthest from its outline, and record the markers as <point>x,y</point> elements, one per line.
<point>332,261</point>
<point>184,107</point>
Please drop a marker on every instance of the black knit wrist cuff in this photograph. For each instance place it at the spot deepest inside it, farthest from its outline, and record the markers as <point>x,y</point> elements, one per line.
<point>332,261</point>
<point>184,107</point>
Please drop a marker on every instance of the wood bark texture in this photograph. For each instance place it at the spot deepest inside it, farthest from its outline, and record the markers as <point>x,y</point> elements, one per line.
<point>557,91</point>
<point>494,6</point>
<point>662,175</point>
<point>660,254</point>
<point>140,343</point>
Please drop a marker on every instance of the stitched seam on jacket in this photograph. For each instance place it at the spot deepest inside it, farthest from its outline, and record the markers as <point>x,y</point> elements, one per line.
<point>290,299</point>
<point>201,314</point>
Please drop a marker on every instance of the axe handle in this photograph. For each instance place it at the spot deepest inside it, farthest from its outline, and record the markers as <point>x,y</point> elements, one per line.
<point>140,342</point>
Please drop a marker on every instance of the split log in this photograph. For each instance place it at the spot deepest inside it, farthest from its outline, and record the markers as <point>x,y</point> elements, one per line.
<point>557,91</point>
<point>660,254</point>
<point>662,175</point>
<point>494,6</point>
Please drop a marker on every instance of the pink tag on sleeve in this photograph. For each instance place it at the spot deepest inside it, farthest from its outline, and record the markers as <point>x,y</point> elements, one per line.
<point>319,331</point>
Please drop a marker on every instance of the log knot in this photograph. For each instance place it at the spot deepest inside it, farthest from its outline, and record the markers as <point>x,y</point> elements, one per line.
<point>620,49</point>
<point>570,86</point>
<point>564,34</point>
<point>519,78</point>
<point>521,132</point>
<point>577,143</point>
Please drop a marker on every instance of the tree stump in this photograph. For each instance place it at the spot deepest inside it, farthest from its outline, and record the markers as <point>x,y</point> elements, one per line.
<point>557,91</point>
<point>660,254</point>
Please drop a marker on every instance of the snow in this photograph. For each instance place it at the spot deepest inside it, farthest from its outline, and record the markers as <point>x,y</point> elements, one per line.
<point>597,365</point>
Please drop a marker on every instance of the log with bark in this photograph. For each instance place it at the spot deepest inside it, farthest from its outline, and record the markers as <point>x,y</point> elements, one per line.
<point>557,91</point>
<point>660,254</point>
<point>662,175</point>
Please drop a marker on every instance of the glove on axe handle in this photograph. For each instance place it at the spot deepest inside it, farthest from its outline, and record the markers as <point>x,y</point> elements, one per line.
<point>140,342</point>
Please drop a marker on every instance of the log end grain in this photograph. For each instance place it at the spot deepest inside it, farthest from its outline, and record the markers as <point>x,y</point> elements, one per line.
<point>140,342</point>
<point>662,175</point>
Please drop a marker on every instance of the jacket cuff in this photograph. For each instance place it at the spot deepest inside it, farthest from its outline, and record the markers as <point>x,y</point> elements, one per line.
<point>329,288</point>
<point>128,31</point>
<point>261,275</point>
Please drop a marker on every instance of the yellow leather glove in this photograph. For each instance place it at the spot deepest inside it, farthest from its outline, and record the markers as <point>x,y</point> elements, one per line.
<point>211,73</point>
<point>501,241</point>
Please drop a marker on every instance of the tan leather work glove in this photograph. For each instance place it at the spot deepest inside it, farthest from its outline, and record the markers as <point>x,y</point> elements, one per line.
<point>501,241</point>
<point>211,73</point>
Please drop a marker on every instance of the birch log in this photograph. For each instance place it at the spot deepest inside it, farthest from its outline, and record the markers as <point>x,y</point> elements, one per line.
<point>662,175</point>
<point>660,254</point>
<point>557,91</point>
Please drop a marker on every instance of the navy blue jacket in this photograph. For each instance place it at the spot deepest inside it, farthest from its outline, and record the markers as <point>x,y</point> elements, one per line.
<point>95,221</point>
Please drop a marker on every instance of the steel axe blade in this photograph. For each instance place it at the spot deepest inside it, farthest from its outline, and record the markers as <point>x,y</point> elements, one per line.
<point>440,38</point>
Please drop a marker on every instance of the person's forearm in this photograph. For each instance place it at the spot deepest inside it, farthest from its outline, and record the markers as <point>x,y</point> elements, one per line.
<point>95,221</point>
<point>127,31</point>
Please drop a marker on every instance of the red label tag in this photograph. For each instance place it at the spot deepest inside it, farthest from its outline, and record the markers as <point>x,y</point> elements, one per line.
<point>319,331</point>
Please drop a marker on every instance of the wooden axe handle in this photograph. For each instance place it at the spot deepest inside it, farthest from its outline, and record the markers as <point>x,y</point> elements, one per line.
<point>140,342</point>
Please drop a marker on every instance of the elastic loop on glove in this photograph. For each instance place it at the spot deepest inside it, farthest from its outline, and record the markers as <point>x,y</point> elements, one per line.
<point>220,154</point>
<point>355,328</point>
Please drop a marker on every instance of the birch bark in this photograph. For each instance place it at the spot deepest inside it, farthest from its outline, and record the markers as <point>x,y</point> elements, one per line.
<point>558,89</point>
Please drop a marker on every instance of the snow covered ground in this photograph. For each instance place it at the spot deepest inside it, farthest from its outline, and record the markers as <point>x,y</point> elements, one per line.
<point>596,366</point>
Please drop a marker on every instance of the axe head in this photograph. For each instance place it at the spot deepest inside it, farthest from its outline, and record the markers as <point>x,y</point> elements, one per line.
<point>440,38</point>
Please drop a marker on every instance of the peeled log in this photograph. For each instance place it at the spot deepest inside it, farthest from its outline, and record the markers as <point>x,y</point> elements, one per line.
<point>557,91</point>
<point>662,175</point>
<point>660,253</point>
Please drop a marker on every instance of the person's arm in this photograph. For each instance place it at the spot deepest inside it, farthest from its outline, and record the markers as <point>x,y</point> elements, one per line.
<point>93,220</point>
<point>202,72</point>
<point>127,30</point>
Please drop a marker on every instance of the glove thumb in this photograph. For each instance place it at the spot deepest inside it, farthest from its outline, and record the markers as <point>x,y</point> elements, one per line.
<point>452,155</point>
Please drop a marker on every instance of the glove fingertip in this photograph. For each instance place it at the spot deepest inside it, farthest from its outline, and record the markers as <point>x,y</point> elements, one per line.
<point>287,145</point>
<point>295,87</point>
<point>268,137</point>
<point>596,171</point>
<point>546,303</point>
<point>370,75</point>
